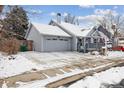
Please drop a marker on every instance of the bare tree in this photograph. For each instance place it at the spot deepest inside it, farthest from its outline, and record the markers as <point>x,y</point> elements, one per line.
<point>112,21</point>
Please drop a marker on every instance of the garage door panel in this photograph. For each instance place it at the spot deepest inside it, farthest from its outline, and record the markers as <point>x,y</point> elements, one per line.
<point>57,44</point>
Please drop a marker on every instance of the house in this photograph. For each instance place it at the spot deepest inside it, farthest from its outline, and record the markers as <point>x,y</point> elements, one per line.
<point>82,40</point>
<point>65,36</point>
<point>48,38</point>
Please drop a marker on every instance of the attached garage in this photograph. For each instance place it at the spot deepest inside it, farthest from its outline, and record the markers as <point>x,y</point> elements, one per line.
<point>57,43</point>
<point>47,38</point>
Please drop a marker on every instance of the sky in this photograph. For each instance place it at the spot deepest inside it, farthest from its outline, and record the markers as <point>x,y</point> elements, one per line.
<point>86,14</point>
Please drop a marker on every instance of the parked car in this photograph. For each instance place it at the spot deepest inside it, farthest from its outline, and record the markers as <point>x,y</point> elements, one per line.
<point>118,48</point>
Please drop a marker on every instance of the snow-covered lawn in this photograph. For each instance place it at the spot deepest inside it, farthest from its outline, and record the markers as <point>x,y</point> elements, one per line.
<point>10,67</point>
<point>98,80</point>
<point>26,61</point>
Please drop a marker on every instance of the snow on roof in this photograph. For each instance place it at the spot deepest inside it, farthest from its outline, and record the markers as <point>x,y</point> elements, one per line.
<point>50,30</point>
<point>73,29</point>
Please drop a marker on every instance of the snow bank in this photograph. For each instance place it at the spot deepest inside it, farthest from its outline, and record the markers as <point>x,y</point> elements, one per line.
<point>111,76</point>
<point>13,65</point>
<point>114,54</point>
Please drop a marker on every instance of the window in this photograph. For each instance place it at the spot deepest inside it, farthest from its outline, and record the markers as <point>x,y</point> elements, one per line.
<point>61,39</point>
<point>95,40</point>
<point>88,40</point>
<point>48,39</point>
<point>65,39</point>
<point>101,40</point>
<point>54,38</point>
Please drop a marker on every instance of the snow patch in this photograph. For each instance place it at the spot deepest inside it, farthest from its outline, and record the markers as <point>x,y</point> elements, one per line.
<point>111,76</point>
<point>11,67</point>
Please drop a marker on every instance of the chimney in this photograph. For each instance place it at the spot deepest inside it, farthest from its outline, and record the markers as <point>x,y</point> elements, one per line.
<point>58,17</point>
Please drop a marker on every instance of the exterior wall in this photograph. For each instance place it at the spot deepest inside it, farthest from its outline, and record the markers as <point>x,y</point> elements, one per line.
<point>37,39</point>
<point>74,43</point>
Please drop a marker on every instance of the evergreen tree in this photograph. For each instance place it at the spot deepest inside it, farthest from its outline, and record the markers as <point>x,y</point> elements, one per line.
<point>15,22</point>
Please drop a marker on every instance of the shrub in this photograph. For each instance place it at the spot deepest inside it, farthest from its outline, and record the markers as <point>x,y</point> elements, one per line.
<point>9,45</point>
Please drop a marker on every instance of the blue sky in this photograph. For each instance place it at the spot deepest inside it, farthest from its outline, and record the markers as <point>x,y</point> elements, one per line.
<point>44,13</point>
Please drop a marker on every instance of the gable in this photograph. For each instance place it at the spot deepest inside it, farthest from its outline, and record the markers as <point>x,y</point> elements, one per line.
<point>94,33</point>
<point>105,32</point>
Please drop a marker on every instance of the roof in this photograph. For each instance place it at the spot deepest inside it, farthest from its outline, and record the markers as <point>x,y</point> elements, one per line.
<point>73,29</point>
<point>50,30</point>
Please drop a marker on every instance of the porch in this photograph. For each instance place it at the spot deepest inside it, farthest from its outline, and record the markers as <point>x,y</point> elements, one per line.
<point>87,44</point>
<point>94,46</point>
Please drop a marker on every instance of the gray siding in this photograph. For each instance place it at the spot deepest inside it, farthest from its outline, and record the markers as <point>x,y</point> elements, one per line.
<point>37,39</point>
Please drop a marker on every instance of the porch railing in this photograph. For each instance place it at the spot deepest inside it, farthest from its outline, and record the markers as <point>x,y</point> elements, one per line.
<point>94,45</point>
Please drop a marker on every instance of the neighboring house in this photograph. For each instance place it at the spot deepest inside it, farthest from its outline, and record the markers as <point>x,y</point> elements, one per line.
<point>82,40</point>
<point>47,38</point>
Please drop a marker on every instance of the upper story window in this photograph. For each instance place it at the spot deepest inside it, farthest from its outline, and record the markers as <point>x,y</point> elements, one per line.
<point>95,40</point>
<point>88,40</point>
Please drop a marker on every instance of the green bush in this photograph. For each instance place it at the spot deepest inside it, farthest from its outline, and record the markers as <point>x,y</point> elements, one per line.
<point>23,48</point>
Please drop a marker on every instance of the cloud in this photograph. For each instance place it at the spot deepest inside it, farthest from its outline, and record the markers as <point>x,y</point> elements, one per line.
<point>98,15</point>
<point>52,14</point>
<point>62,14</point>
<point>33,11</point>
<point>105,12</point>
<point>115,7</point>
<point>89,18</point>
<point>86,6</point>
<point>65,14</point>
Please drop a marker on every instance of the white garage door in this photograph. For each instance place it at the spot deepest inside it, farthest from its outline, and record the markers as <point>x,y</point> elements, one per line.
<point>57,44</point>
